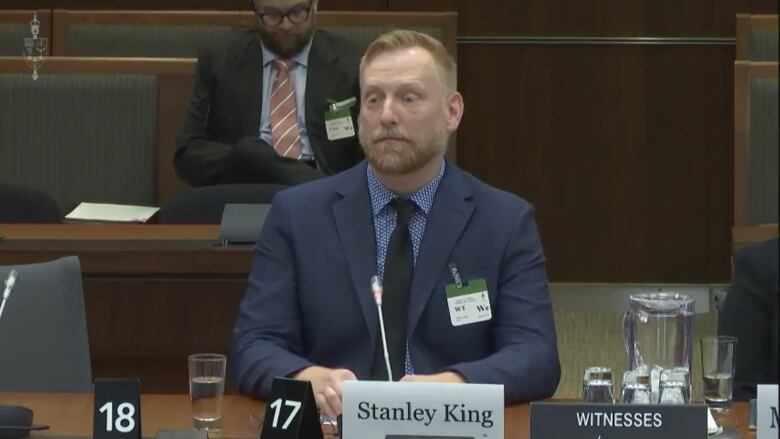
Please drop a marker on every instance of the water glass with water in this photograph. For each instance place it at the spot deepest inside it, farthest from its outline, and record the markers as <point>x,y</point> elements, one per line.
<point>675,386</point>
<point>207,385</point>
<point>597,385</point>
<point>717,363</point>
<point>636,386</point>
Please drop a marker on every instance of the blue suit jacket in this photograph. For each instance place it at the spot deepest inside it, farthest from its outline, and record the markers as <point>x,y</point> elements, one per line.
<point>309,299</point>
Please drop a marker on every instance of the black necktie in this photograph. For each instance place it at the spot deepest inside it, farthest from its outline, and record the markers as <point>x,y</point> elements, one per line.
<point>399,265</point>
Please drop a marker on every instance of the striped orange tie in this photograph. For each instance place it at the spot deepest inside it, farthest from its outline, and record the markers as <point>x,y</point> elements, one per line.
<point>284,117</point>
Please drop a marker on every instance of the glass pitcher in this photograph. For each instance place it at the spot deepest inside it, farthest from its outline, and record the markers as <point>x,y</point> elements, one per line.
<point>657,333</point>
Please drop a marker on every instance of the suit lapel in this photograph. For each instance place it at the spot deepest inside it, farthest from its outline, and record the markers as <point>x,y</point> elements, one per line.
<point>322,78</point>
<point>448,217</point>
<point>356,233</point>
<point>250,74</point>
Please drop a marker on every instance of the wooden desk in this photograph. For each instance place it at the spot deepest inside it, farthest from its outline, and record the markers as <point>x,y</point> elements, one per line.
<point>153,293</point>
<point>71,414</point>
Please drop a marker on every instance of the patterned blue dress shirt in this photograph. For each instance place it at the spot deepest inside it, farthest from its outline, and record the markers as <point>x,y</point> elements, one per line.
<point>384,217</point>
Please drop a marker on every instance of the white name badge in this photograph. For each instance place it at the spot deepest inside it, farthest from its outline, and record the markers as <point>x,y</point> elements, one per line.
<point>380,409</point>
<point>768,423</point>
<point>338,124</point>
<point>468,303</point>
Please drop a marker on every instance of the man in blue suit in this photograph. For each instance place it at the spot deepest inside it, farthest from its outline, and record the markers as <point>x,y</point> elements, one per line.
<point>465,291</point>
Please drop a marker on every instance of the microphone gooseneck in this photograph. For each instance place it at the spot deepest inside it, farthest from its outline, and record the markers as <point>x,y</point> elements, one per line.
<point>9,286</point>
<point>376,291</point>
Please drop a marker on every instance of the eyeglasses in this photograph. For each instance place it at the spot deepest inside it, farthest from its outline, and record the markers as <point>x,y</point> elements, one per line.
<point>274,17</point>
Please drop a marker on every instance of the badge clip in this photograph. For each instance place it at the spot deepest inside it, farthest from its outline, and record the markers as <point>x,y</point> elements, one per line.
<point>455,275</point>
<point>346,103</point>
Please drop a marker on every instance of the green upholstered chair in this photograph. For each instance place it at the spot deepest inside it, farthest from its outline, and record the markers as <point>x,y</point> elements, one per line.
<point>45,345</point>
<point>93,129</point>
<point>182,33</point>
<point>15,27</point>
<point>755,151</point>
<point>763,161</point>
<point>757,37</point>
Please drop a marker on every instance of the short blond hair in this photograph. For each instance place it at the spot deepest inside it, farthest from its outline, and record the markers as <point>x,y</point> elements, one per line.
<point>404,39</point>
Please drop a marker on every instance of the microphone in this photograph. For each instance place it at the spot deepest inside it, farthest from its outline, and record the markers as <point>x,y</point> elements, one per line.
<point>9,286</point>
<point>376,291</point>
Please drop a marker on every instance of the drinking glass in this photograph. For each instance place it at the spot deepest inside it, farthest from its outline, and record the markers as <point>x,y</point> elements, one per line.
<point>717,363</point>
<point>597,385</point>
<point>675,386</point>
<point>636,386</point>
<point>207,385</point>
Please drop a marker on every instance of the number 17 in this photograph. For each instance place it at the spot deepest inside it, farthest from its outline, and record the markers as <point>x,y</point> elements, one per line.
<point>277,405</point>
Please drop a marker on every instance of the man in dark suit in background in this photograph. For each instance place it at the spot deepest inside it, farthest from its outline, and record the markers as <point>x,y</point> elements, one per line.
<point>750,313</point>
<point>258,109</point>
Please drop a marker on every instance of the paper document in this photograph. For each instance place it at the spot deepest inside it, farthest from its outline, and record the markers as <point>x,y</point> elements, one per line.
<point>121,213</point>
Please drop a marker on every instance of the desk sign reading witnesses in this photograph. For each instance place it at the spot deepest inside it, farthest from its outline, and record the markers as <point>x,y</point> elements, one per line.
<point>767,417</point>
<point>378,409</point>
<point>618,421</point>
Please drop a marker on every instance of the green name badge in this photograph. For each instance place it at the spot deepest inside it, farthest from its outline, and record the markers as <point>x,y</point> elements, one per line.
<point>468,303</point>
<point>338,123</point>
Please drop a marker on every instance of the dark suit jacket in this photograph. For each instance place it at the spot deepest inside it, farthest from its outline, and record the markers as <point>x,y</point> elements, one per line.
<point>750,313</point>
<point>309,300</point>
<point>226,104</point>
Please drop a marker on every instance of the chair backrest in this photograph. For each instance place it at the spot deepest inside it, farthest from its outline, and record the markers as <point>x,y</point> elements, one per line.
<point>171,34</point>
<point>205,205</point>
<point>19,204</point>
<point>43,330</point>
<point>15,28</point>
<point>89,129</point>
<point>182,33</point>
<point>757,37</point>
<point>755,144</point>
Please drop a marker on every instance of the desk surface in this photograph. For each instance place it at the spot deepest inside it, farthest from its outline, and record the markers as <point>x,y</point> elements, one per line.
<point>71,414</point>
<point>114,232</point>
<point>126,248</point>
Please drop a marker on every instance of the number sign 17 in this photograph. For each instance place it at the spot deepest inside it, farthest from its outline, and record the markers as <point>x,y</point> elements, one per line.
<point>277,406</point>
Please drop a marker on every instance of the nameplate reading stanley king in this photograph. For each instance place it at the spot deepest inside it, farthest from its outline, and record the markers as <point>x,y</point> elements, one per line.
<point>618,421</point>
<point>768,416</point>
<point>380,409</point>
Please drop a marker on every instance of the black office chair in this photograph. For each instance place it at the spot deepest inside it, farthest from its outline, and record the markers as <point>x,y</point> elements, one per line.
<point>19,204</point>
<point>204,205</point>
<point>43,330</point>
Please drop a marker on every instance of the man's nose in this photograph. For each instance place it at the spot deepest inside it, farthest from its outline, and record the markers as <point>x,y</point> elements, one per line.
<point>389,116</point>
<point>285,24</point>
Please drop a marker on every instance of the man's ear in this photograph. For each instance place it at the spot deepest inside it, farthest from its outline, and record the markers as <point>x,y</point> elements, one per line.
<point>454,111</point>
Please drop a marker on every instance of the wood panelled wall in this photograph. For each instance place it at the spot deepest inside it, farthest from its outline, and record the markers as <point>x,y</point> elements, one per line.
<point>228,5</point>
<point>593,18</point>
<point>625,149</point>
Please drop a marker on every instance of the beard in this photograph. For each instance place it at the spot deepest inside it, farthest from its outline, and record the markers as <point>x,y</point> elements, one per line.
<point>390,151</point>
<point>284,44</point>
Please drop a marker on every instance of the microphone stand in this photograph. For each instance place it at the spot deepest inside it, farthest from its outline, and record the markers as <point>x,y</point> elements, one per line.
<point>377,291</point>
<point>9,286</point>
